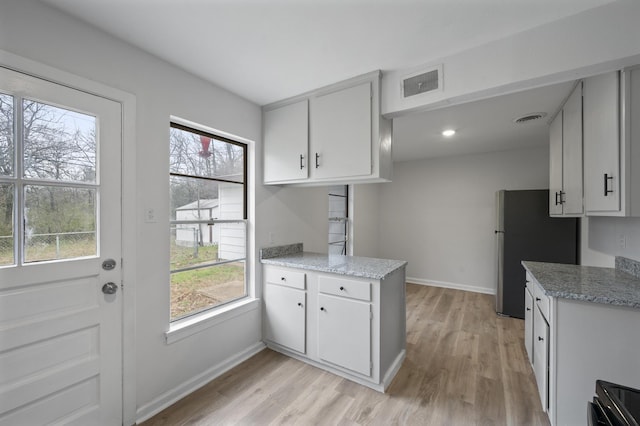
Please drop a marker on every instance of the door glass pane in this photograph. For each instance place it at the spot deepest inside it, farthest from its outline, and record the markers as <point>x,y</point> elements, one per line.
<point>6,225</point>
<point>6,135</point>
<point>59,144</point>
<point>60,222</point>
<point>196,155</point>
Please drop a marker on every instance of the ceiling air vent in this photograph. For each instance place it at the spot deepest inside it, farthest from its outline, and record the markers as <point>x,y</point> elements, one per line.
<point>422,82</point>
<point>529,117</point>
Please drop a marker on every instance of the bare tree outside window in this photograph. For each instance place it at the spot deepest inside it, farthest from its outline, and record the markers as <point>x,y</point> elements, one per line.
<point>57,177</point>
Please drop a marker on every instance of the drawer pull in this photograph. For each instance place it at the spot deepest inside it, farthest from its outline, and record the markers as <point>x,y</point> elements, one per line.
<point>299,304</point>
<point>341,288</point>
<point>538,299</point>
<point>528,309</point>
<point>540,339</point>
<point>322,309</point>
<point>283,279</point>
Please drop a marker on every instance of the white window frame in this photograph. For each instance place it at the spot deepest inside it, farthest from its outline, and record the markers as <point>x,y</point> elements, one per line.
<point>208,317</point>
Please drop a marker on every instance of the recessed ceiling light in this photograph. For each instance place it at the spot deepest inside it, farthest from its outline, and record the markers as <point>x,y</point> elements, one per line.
<point>448,133</point>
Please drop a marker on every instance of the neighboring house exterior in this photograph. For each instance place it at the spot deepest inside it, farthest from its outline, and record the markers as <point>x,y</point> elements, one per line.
<point>189,235</point>
<point>230,237</point>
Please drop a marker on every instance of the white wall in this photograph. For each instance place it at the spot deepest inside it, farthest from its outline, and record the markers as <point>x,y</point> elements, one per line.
<point>35,31</point>
<point>440,214</point>
<point>365,219</point>
<point>604,235</point>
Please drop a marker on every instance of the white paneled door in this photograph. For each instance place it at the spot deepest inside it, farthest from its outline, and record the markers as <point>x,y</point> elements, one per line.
<point>60,255</point>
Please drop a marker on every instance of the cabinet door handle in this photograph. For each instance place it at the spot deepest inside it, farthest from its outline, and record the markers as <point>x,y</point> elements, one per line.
<point>538,299</point>
<point>540,339</point>
<point>557,202</point>
<point>528,309</point>
<point>562,194</point>
<point>317,160</point>
<point>322,309</point>
<point>341,288</point>
<point>283,279</point>
<point>606,184</point>
<point>299,304</point>
<point>301,161</point>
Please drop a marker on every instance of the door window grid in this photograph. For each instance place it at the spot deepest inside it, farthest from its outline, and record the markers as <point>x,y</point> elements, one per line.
<point>48,188</point>
<point>208,221</point>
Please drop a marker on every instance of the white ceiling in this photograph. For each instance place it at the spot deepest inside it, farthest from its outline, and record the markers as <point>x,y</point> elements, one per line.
<point>268,50</point>
<point>481,126</point>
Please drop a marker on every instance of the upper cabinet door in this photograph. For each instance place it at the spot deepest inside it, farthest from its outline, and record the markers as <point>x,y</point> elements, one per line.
<point>286,141</point>
<point>341,133</point>
<point>602,143</point>
<point>555,166</point>
<point>572,154</point>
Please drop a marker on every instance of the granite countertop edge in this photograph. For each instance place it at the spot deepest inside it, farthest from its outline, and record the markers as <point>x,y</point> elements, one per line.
<point>354,266</point>
<point>609,286</point>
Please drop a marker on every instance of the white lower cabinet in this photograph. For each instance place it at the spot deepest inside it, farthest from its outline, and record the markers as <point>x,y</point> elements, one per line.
<point>537,342</point>
<point>285,316</point>
<point>541,355</point>
<point>353,327</point>
<point>576,343</point>
<point>344,333</point>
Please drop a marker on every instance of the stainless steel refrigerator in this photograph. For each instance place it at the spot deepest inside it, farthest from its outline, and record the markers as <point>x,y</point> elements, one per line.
<point>524,231</point>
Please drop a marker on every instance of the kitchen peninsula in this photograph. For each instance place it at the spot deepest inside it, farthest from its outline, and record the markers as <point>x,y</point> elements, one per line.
<point>581,325</point>
<point>344,314</point>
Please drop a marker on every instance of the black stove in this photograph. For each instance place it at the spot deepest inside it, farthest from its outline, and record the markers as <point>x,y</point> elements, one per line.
<point>614,405</point>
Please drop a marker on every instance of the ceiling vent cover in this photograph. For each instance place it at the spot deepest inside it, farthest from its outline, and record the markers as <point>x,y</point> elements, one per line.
<point>422,82</point>
<point>529,117</point>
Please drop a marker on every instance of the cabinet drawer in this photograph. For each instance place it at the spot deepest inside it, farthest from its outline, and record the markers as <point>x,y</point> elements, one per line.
<point>286,277</point>
<point>346,288</point>
<point>541,300</point>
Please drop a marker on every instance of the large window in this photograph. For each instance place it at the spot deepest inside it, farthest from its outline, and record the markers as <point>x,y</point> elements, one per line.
<point>208,220</point>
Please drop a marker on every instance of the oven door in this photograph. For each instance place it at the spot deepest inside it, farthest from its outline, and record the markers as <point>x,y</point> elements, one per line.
<point>596,414</point>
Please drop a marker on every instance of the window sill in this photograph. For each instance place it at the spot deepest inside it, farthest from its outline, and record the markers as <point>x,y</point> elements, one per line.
<point>190,326</point>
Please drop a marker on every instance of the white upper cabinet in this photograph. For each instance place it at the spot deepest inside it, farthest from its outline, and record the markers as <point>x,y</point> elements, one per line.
<point>572,154</point>
<point>333,135</point>
<point>341,133</point>
<point>602,143</point>
<point>612,143</point>
<point>286,141</point>
<point>555,166</point>
<point>565,167</point>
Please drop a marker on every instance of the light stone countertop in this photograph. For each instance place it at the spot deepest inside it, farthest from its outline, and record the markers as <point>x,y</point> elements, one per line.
<point>587,283</point>
<point>364,267</point>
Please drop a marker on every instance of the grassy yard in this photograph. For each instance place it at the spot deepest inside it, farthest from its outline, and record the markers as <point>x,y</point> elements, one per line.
<point>199,289</point>
<point>39,251</point>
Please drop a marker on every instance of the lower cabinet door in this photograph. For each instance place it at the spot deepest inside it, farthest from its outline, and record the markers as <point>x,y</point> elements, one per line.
<point>528,323</point>
<point>541,356</point>
<point>285,314</point>
<point>344,333</point>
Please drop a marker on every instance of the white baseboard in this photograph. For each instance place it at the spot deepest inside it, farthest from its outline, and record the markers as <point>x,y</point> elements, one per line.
<point>455,286</point>
<point>172,396</point>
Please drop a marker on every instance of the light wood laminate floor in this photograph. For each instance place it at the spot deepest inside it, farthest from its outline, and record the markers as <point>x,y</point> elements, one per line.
<point>464,366</point>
